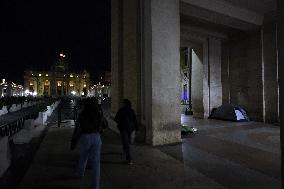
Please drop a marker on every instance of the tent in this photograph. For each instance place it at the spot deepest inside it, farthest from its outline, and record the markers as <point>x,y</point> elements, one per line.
<point>229,112</point>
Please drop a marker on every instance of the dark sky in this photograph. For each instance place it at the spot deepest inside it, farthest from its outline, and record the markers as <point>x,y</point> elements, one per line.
<point>33,32</point>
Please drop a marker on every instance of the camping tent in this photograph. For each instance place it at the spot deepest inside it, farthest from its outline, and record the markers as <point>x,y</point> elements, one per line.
<point>229,112</point>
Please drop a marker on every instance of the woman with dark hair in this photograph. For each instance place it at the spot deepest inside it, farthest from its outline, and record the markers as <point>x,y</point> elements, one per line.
<point>88,129</point>
<point>126,123</point>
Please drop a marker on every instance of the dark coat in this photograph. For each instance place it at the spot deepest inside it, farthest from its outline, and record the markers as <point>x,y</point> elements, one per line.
<point>126,119</point>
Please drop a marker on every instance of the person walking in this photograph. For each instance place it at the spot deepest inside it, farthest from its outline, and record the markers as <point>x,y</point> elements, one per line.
<point>88,132</point>
<point>126,123</point>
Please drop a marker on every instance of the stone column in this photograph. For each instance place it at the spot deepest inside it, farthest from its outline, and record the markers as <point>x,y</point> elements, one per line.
<point>280,45</point>
<point>162,71</point>
<point>126,51</point>
<point>214,57</point>
<point>116,53</point>
<point>197,82</point>
<point>131,52</point>
<point>270,83</point>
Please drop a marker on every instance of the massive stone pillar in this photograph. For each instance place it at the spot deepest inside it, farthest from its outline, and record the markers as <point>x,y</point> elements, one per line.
<point>146,64</point>
<point>162,69</point>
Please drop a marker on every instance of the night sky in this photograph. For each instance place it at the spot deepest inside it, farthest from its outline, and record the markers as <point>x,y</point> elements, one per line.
<point>32,33</point>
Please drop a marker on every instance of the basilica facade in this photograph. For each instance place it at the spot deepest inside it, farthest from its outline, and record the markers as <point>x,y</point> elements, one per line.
<point>58,81</point>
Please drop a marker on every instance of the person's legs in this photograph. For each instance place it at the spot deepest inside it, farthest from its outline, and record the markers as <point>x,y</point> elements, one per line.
<point>84,153</point>
<point>123,140</point>
<point>125,143</point>
<point>129,157</point>
<point>95,157</point>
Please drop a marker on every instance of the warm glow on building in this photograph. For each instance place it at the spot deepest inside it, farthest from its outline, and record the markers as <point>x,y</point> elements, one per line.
<point>46,75</point>
<point>71,75</point>
<point>39,75</point>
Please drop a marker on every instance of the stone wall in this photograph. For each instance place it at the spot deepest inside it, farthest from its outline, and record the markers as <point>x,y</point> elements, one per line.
<point>249,73</point>
<point>225,73</point>
<point>242,74</point>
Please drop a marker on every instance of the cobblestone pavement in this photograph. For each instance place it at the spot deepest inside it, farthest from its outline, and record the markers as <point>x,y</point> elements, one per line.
<point>211,159</point>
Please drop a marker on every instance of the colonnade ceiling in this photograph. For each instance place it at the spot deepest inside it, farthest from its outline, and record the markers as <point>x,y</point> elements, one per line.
<point>243,15</point>
<point>259,6</point>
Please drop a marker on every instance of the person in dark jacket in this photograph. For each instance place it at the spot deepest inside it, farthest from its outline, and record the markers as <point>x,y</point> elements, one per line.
<point>126,123</point>
<point>87,131</point>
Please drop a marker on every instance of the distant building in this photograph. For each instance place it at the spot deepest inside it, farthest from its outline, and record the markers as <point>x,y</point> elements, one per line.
<point>8,89</point>
<point>58,81</point>
<point>102,88</point>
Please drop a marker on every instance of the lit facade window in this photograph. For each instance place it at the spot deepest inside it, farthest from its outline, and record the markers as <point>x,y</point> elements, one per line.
<point>85,85</point>
<point>46,75</point>
<point>71,83</point>
<point>59,83</point>
<point>46,82</point>
<point>39,75</point>
<point>31,84</point>
<point>71,75</point>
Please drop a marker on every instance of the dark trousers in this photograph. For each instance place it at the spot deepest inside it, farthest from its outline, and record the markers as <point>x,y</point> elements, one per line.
<point>125,139</point>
